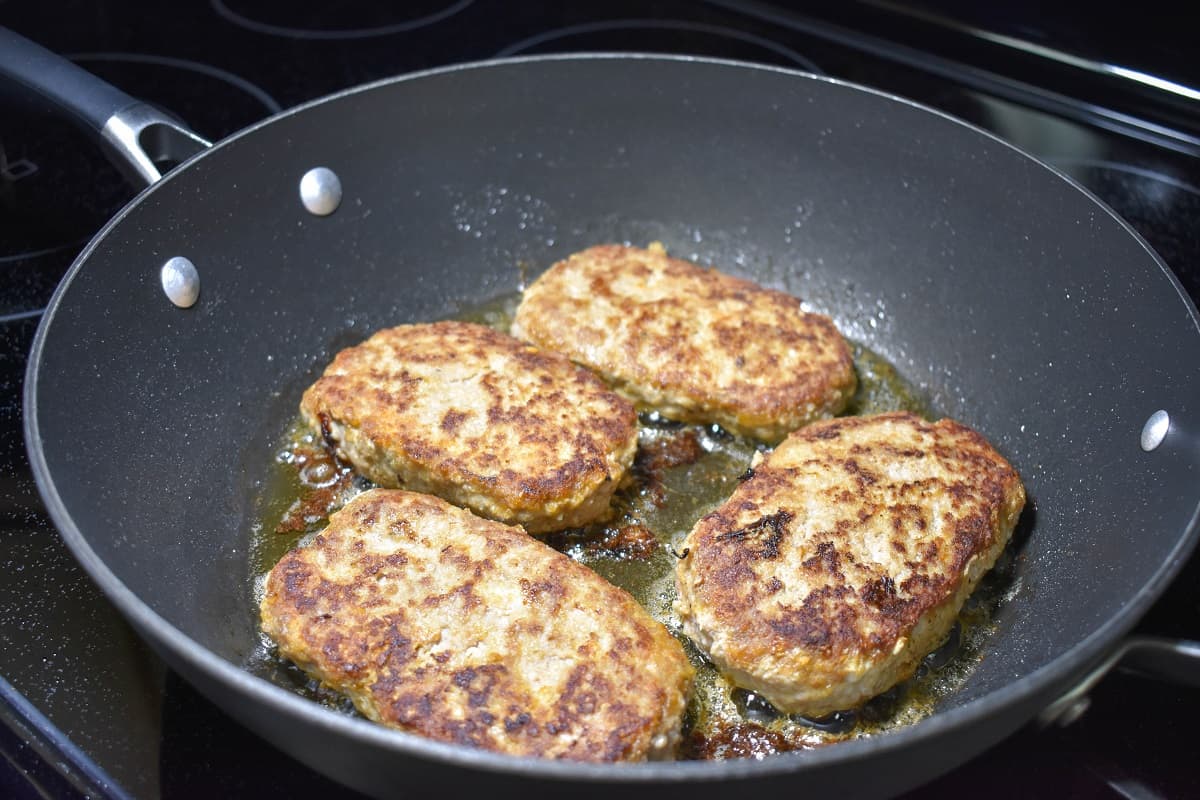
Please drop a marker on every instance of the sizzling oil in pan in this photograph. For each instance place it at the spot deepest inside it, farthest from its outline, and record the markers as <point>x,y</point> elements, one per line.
<point>681,473</point>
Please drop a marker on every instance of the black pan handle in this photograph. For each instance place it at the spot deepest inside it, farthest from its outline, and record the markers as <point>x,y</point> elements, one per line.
<point>137,136</point>
<point>1173,660</point>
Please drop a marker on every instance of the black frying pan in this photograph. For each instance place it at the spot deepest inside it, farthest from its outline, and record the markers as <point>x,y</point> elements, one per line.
<point>1018,303</point>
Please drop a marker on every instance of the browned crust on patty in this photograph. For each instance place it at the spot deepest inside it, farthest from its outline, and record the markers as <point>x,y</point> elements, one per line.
<point>693,343</point>
<point>479,418</point>
<point>465,630</point>
<point>845,558</point>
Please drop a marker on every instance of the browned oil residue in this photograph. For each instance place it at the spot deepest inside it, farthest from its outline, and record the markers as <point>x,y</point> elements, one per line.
<point>325,483</point>
<point>632,540</point>
<point>654,456</point>
<point>737,740</point>
<point>626,540</point>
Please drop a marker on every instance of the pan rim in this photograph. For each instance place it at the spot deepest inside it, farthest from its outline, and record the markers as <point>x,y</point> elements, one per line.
<point>1038,684</point>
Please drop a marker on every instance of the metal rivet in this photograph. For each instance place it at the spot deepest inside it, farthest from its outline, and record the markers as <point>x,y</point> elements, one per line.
<point>1155,430</point>
<point>181,281</point>
<point>320,191</point>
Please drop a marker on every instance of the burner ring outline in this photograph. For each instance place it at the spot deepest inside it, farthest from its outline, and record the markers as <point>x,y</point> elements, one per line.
<point>519,47</point>
<point>267,28</point>
<point>271,104</point>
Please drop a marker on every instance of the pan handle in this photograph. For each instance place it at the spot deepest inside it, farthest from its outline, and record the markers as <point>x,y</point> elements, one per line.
<point>1174,660</point>
<point>137,136</point>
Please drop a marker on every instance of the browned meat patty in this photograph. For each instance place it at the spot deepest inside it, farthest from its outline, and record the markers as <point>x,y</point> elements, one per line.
<point>692,343</point>
<point>479,418</point>
<point>832,571</point>
<point>447,625</point>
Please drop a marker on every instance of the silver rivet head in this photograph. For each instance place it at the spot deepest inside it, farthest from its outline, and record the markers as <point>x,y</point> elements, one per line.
<point>320,191</point>
<point>1155,430</point>
<point>181,281</point>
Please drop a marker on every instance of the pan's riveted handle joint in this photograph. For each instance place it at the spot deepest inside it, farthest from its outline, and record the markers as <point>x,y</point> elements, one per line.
<point>140,138</point>
<point>321,191</point>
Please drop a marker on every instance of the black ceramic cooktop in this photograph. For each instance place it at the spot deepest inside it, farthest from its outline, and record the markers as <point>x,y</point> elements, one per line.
<point>90,711</point>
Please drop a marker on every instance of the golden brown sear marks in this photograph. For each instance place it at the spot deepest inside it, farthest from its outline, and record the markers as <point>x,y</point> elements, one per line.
<point>465,630</point>
<point>479,418</point>
<point>692,343</point>
<point>846,556</point>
